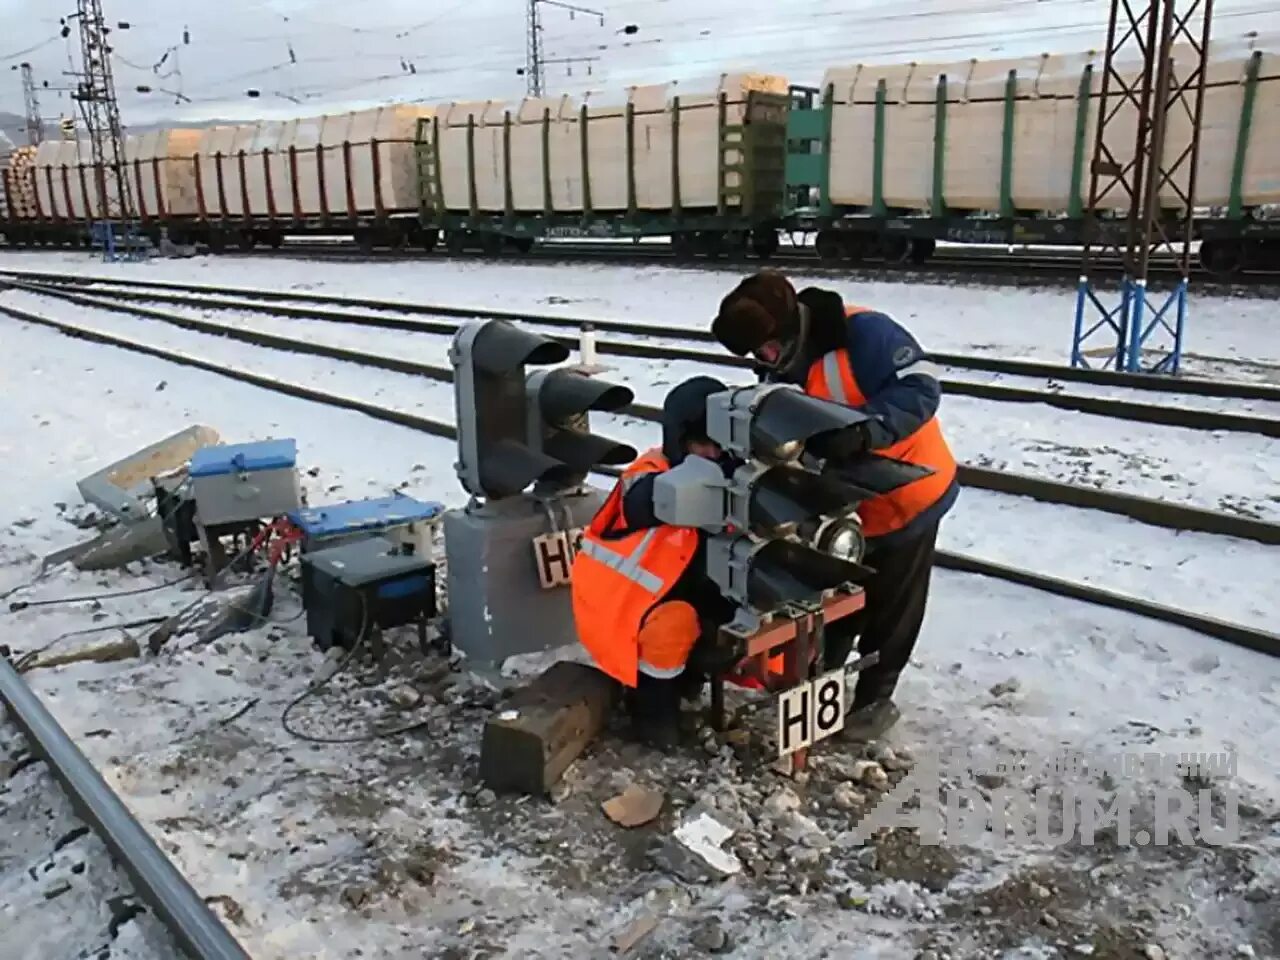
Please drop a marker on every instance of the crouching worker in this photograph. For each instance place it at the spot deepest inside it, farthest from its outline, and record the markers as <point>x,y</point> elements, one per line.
<point>642,603</point>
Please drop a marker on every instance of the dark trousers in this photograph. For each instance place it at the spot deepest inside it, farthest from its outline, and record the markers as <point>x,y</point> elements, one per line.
<point>890,622</point>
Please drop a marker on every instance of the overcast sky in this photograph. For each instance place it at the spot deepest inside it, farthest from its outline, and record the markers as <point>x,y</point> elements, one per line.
<point>312,56</point>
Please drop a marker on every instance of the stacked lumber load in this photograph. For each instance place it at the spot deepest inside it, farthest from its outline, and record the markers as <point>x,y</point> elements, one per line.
<point>337,165</point>
<point>578,148</point>
<point>157,167</point>
<point>19,184</point>
<point>1043,96</point>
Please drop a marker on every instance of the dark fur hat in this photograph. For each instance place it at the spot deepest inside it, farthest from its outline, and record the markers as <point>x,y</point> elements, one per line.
<point>761,308</point>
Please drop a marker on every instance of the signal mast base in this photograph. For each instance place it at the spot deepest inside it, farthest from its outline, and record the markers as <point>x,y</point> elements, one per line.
<point>508,575</point>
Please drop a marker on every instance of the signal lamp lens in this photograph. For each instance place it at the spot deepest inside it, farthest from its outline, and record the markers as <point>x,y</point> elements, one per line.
<point>842,539</point>
<point>788,450</point>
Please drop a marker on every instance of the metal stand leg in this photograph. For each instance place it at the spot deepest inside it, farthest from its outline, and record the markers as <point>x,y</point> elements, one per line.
<point>717,704</point>
<point>215,557</point>
<point>423,645</point>
<point>797,666</point>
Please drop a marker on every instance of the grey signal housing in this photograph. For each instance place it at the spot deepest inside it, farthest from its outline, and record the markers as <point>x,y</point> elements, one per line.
<point>776,423</point>
<point>494,458</point>
<point>764,575</point>
<point>789,481</point>
<point>559,426</point>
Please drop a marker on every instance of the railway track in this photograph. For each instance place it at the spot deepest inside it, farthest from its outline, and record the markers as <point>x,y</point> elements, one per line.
<point>996,264</point>
<point>195,928</point>
<point>287,304</point>
<point>1150,511</point>
<point>1017,270</point>
<point>118,296</point>
<point>1145,510</point>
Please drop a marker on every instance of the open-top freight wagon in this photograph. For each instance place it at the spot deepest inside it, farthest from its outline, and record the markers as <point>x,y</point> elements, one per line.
<point>707,168</point>
<point>233,185</point>
<point>884,161</point>
<point>880,162</point>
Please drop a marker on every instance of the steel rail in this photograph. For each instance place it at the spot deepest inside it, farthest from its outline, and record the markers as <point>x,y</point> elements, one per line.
<point>1251,638</point>
<point>1237,634</point>
<point>194,926</point>
<point>245,297</point>
<point>1171,416</point>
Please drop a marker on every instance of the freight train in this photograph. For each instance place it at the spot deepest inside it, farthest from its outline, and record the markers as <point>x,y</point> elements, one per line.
<point>880,162</point>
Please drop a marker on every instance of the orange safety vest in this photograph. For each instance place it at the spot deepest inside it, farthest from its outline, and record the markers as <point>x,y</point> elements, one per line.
<point>831,378</point>
<point>619,577</point>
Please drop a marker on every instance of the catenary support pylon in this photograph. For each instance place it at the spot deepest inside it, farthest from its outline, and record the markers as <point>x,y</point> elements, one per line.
<point>535,65</point>
<point>113,220</point>
<point>1142,184</point>
<point>35,126</point>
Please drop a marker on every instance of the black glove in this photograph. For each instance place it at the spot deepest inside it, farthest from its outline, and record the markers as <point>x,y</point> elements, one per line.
<point>729,464</point>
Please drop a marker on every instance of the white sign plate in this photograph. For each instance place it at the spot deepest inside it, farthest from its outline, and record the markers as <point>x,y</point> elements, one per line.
<point>811,711</point>
<point>553,555</point>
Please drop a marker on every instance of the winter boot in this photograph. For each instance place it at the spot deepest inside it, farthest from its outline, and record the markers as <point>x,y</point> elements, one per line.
<point>655,713</point>
<point>870,722</point>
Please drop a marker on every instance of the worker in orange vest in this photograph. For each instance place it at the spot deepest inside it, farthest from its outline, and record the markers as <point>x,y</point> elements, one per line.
<point>643,605</point>
<point>864,359</point>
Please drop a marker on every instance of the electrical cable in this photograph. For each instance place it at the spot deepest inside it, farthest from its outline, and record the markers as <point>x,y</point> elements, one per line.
<point>32,49</point>
<point>91,597</point>
<point>316,686</point>
<point>58,601</point>
<point>24,662</point>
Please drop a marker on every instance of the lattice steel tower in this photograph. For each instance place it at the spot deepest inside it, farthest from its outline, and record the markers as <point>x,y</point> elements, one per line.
<point>533,51</point>
<point>35,126</point>
<point>535,63</point>
<point>96,94</point>
<point>1153,83</point>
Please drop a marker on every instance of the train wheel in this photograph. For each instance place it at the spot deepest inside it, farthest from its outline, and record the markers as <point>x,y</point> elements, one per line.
<point>245,240</point>
<point>428,239</point>
<point>922,249</point>
<point>1222,258</point>
<point>491,244</point>
<point>895,249</point>
<point>682,246</point>
<point>274,239</point>
<point>764,243</point>
<point>521,245</point>
<point>217,242</point>
<point>856,246</point>
<point>455,241</point>
<point>710,244</point>
<point>363,237</point>
<point>393,238</point>
<point>830,245</point>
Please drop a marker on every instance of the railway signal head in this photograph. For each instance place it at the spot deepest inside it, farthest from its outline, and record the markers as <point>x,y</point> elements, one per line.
<point>786,530</point>
<point>515,431</point>
<point>559,404</point>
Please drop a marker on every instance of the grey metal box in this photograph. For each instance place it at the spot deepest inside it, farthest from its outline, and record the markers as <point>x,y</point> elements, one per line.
<point>498,607</point>
<point>248,481</point>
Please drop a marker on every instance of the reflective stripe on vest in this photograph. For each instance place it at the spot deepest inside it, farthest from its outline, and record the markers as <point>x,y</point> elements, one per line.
<point>835,381</point>
<point>649,670</point>
<point>618,577</point>
<point>629,565</point>
<point>831,378</point>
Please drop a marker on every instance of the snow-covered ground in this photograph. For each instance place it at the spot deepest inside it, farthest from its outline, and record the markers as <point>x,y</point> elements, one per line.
<point>391,849</point>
